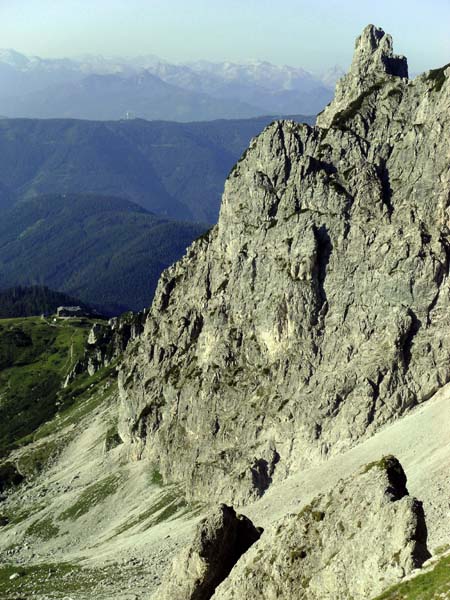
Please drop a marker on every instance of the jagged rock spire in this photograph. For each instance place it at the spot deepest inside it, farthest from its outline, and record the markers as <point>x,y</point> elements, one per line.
<point>373,60</point>
<point>374,53</point>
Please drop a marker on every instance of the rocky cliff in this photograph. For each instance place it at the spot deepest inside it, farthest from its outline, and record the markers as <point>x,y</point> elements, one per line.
<point>220,540</point>
<point>318,307</point>
<point>107,342</point>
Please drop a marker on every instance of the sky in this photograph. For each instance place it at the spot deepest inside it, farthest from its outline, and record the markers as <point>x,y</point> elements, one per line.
<point>314,34</point>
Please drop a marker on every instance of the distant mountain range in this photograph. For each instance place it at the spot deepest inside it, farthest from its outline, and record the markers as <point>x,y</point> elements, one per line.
<point>106,251</point>
<point>172,169</point>
<point>147,87</point>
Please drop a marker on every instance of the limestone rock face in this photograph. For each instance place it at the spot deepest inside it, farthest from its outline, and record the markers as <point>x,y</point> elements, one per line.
<point>374,63</point>
<point>106,342</point>
<point>353,542</point>
<point>219,542</point>
<point>319,306</point>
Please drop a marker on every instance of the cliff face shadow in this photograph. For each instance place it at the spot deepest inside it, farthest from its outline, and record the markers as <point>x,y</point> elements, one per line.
<point>324,250</point>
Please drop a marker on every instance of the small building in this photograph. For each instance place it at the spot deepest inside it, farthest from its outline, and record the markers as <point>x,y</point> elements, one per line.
<point>70,312</point>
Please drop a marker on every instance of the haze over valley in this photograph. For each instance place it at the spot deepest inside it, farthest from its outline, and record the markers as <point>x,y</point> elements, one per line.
<point>150,88</point>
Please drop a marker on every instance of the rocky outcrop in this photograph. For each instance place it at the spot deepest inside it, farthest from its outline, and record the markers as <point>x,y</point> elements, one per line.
<point>352,542</point>
<point>106,342</point>
<point>374,65</point>
<point>319,306</point>
<point>219,542</point>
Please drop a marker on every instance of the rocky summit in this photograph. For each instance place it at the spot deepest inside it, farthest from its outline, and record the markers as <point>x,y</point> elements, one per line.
<point>317,309</point>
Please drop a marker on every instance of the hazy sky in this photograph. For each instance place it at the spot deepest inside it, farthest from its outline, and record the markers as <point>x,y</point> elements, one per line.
<point>315,34</point>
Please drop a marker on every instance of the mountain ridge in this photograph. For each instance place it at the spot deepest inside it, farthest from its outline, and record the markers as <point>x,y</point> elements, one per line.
<point>107,251</point>
<point>173,169</point>
<point>195,91</point>
<point>312,224</point>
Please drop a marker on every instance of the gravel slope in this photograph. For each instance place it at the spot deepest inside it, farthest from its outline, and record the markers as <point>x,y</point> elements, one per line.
<point>126,547</point>
<point>419,440</point>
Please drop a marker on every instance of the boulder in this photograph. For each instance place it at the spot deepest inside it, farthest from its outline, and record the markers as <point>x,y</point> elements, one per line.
<point>219,541</point>
<point>352,542</point>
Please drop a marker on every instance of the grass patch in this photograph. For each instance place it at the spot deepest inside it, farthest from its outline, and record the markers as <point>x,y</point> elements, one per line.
<point>427,586</point>
<point>61,579</point>
<point>157,478</point>
<point>15,516</point>
<point>91,496</point>
<point>80,398</point>
<point>35,358</point>
<point>36,459</point>
<point>166,506</point>
<point>112,438</point>
<point>44,529</point>
<point>442,549</point>
<point>382,464</point>
<point>66,580</point>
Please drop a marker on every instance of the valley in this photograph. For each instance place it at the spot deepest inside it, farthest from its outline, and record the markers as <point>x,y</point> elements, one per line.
<point>104,250</point>
<point>172,169</point>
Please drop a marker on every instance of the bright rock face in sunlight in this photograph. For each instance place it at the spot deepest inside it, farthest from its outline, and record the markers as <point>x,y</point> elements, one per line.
<point>318,308</point>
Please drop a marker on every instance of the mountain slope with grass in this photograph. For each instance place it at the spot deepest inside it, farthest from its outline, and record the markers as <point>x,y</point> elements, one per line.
<point>86,521</point>
<point>36,356</point>
<point>106,251</point>
<point>76,517</point>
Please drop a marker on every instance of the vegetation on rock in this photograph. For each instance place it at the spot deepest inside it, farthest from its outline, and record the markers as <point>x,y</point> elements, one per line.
<point>36,356</point>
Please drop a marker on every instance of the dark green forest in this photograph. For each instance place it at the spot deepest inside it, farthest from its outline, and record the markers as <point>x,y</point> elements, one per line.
<point>20,301</point>
<point>105,251</point>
